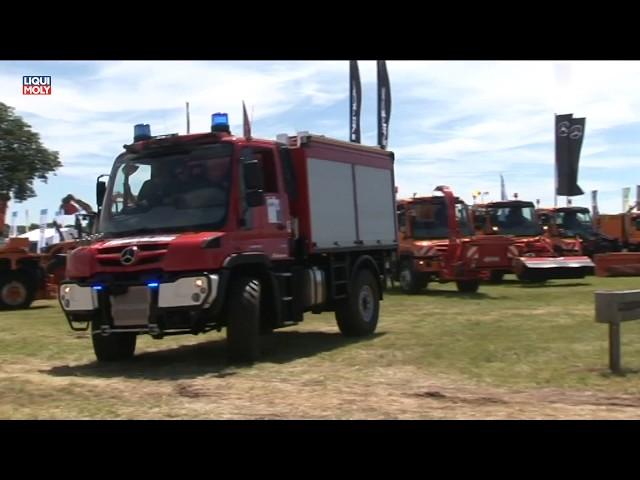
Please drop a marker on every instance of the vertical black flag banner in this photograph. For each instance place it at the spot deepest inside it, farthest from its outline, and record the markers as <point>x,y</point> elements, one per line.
<point>569,133</point>
<point>355,101</point>
<point>384,104</point>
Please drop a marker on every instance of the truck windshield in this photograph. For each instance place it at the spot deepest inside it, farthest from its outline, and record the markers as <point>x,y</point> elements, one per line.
<point>515,220</point>
<point>574,223</point>
<point>177,191</point>
<point>430,219</point>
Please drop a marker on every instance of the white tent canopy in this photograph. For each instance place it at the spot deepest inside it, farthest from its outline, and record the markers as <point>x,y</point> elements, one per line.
<point>51,235</point>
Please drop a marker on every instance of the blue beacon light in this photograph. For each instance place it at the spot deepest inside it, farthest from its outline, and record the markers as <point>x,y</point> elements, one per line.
<point>220,122</point>
<point>141,131</point>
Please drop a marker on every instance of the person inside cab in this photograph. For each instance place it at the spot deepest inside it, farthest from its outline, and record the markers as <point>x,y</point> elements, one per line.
<point>515,218</point>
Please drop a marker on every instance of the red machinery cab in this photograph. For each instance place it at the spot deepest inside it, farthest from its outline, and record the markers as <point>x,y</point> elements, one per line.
<point>437,243</point>
<point>572,232</point>
<point>534,258</point>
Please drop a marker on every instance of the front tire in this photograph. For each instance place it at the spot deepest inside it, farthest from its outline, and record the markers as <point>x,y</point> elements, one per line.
<point>410,281</point>
<point>243,321</point>
<point>357,316</point>
<point>114,347</point>
<point>468,286</point>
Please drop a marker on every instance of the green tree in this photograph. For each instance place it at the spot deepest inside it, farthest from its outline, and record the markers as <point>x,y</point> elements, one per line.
<point>23,159</point>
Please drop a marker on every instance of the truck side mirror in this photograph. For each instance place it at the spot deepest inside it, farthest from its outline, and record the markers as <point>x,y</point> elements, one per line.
<point>101,190</point>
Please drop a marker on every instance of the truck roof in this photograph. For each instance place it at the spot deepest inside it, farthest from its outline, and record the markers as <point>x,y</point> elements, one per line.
<point>301,139</point>
<point>505,203</point>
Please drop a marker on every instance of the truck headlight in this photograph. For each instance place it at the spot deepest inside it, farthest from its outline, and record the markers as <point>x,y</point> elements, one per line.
<point>76,298</point>
<point>188,292</point>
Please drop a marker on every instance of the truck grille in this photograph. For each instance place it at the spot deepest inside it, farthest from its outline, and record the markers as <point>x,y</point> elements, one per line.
<point>147,254</point>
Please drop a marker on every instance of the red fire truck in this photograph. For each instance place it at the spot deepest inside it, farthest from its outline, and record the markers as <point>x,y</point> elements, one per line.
<point>204,231</point>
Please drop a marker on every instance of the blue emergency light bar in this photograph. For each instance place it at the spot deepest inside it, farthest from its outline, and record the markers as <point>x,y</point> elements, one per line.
<point>220,122</point>
<point>141,131</point>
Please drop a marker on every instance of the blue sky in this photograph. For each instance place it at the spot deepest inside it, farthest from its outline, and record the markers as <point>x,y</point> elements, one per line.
<point>452,122</point>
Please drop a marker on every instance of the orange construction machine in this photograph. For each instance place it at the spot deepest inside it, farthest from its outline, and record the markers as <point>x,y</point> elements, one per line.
<point>22,277</point>
<point>534,256</point>
<point>437,243</point>
<point>572,232</point>
<point>624,227</point>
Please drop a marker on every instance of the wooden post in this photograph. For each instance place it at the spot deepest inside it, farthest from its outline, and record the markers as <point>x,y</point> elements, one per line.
<point>614,348</point>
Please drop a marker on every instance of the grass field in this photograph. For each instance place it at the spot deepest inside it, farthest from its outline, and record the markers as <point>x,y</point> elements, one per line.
<point>510,351</point>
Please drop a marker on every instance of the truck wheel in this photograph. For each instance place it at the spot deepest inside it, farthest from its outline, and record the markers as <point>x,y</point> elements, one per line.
<point>243,320</point>
<point>113,347</point>
<point>357,316</point>
<point>468,286</point>
<point>410,281</point>
<point>496,276</point>
<point>17,291</point>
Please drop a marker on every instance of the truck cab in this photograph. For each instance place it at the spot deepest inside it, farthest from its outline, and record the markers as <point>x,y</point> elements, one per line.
<point>535,258</point>
<point>208,231</point>
<point>572,231</point>
<point>437,243</point>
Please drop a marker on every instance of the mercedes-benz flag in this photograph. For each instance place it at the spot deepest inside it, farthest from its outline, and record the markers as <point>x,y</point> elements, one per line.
<point>384,104</point>
<point>569,133</point>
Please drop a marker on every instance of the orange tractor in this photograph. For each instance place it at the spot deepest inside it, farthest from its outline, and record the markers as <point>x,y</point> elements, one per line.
<point>22,277</point>
<point>533,255</point>
<point>572,232</point>
<point>437,244</point>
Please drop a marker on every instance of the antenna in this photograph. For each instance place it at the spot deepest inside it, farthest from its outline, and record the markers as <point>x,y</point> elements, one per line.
<point>188,120</point>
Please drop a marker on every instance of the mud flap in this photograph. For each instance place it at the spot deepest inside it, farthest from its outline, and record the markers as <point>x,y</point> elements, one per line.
<point>549,268</point>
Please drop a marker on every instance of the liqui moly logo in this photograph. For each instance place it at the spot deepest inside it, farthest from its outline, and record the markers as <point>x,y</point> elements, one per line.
<point>36,85</point>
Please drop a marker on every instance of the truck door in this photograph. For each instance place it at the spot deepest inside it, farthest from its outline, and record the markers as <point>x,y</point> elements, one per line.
<point>266,227</point>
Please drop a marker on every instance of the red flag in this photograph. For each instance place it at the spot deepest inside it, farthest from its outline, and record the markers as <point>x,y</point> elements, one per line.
<point>246,125</point>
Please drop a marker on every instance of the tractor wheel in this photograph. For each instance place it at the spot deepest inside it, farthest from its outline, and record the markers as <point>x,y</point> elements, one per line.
<point>114,347</point>
<point>357,316</point>
<point>243,320</point>
<point>17,290</point>
<point>468,286</point>
<point>410,281</point>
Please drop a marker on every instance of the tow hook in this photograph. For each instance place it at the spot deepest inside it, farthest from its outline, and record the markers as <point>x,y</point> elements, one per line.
<point>154,331</point>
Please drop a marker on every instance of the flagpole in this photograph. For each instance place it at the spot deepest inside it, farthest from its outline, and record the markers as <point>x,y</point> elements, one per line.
<point>555,162</point>
<point>188,120</point>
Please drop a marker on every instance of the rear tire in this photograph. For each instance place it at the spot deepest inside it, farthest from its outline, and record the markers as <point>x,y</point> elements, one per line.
<point>357,316</point>
<point>17,290</point>
<point>410,281</point>
<point>243,321</point>
<point>114,347</point>
<point>468,286</point>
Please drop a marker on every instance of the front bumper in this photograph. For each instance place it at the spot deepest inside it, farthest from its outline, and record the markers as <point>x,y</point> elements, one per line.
<point>185,304</point>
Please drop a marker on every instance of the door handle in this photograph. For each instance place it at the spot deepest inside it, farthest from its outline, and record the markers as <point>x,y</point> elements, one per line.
<point>281,226</point>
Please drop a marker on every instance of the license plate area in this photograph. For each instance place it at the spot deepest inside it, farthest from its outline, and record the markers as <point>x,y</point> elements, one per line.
<point>132,307</point>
